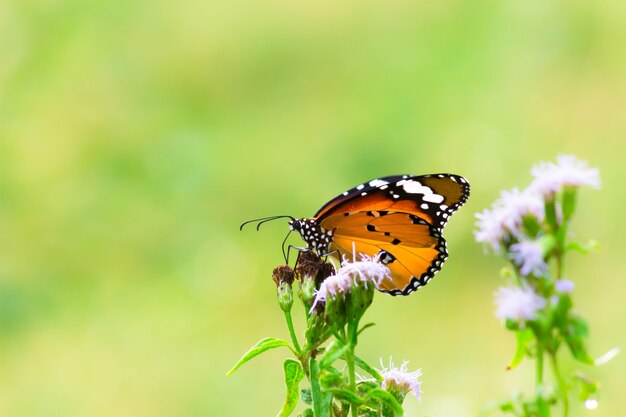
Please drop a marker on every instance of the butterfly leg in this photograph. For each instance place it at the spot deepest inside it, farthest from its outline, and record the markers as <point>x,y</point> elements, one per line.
<point>327,254</point>
<point>299,249</point>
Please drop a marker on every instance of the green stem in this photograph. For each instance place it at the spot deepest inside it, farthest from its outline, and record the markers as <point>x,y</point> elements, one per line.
<point>294,339</point>
<point>561,382</point>
<point>316,391</point>
<point>353,330</point>
<point>539,370</point>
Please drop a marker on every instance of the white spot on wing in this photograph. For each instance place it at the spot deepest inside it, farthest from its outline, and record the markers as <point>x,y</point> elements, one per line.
<point>377,183</point>
<point>433,198</point>
<point>414,187</point>
<point>360,187</point>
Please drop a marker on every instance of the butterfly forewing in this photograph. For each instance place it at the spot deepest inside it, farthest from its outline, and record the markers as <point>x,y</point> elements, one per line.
<point>432,197</point>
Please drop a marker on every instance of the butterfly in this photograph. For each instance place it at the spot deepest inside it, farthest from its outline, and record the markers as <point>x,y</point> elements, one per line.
<point>397,219</point>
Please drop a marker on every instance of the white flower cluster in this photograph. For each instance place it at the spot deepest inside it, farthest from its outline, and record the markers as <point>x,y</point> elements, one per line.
<point>367,270</point>
<point>401,379</point>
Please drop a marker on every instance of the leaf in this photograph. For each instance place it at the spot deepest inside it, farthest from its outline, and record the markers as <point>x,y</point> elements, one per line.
<point>586,386</point>
<point>575,333</point>
<point>551,216</point>
<point>293,375</point>
<point>583,248</point>
<point>524,338</point>
<point>346,395</point>
<point>322,401</point>
<point>387,399</point>
<point>568,203</point>
<point>334,352</point>
<point>261,346</point>
<point>368,325</point>
<point>367,368</point>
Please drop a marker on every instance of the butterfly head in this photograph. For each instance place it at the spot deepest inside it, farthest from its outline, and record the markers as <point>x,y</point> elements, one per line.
<point>315,236</point>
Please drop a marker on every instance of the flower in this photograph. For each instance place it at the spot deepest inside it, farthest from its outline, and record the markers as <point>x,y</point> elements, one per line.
<point>564,286</point>
<point>399,381</point>
<point>356,273</point>
<point>528,255</point>
<point>368,269</point>
<point>332,287</point>
<point>567,172</point>
<point>506,215</point>
<point>518,303</point>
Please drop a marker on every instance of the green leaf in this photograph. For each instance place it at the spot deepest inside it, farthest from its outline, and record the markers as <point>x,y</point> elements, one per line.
<point>586,386</point>
<point>336,350</point>
<point>568,202</point>
<point>306,413</point>
<point>575,333</point>
<point>322,401</point>
<point>368,325</point>
<point>331,378</point>
<point>293,375</point>
<point>387,399</point>
<point>262,345</point>
<point>367,368</point>
<point>584,248</point>
<point>524,338</point>
<point>346,395</point>
<point>551,217</point>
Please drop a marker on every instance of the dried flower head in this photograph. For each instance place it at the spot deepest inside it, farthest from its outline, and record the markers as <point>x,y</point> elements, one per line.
<point>283,274</point>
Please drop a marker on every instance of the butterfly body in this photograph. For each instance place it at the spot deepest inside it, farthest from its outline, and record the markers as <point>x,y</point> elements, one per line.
<point>398,219</point>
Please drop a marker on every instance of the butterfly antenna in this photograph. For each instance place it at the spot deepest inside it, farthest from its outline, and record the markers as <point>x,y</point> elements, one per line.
<point>262,220</point>
<point>283,246</point>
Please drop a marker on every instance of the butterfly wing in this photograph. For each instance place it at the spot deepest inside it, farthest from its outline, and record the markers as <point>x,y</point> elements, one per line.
<point>402,216</point>
<point>432,197</point>
<point>413,249</point>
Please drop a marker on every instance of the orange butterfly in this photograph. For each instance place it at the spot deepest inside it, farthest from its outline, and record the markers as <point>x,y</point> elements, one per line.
<point>397,218</point>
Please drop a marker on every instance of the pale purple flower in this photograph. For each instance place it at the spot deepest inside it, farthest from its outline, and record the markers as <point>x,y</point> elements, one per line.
<point>564,286</point>
<point>505,216</point>
<point>567,172</point>
<point>332,287</point>
<point>400,379</point>
<point>518,303</point>
<point>528,255</point>
<point>367,270</point>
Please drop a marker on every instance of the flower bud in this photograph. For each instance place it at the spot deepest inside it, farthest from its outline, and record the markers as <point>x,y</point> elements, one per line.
<point>283,276</point>
<point>285,296</point>
<point>311,272</point>
<point>359,299</point>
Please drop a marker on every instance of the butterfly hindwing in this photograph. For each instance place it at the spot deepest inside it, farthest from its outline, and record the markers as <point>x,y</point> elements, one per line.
<point>411,248</point>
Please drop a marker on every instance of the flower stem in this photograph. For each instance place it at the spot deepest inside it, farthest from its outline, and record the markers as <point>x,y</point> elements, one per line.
<point>294,339</point>
<point>561,382</point>
<point>539,370</point>
<point>353,329</point>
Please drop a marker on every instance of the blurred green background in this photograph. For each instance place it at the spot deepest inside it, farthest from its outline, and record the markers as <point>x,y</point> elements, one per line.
<point>136,136</point>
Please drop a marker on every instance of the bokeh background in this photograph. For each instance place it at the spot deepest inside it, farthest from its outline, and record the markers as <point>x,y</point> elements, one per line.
<point>136,136</point>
